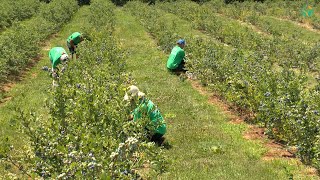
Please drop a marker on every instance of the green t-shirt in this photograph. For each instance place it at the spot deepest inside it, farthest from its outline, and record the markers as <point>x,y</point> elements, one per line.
<point>55,54</point>
<point>175,58</point>
<point>75,37</point>
<point>147,106</point>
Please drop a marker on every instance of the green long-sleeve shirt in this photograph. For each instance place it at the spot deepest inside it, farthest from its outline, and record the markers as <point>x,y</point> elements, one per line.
<point>147,106</point>
<point>75,37</point>
<point>175,58</point>
<point>55,54</point>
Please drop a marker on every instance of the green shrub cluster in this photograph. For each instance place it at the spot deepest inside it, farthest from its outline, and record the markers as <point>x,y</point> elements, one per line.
<point>87,134</point>
<point>80,2</point>
<point>265,15</point>
<point>18,10</point>
<point>291,10</point>
<point>21,43</point>
<point>155,24</point>
<point>285,47</point>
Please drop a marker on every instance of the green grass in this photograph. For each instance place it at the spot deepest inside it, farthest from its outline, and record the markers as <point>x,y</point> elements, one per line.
<point>204,144</point>
<point>30,93</point>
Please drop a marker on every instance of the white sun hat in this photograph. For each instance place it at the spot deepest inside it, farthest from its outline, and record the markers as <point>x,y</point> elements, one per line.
<point>132,92</point>
<point>64,57</point>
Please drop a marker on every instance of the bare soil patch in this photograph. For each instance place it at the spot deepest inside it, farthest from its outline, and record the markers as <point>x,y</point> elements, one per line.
<point>2,101</point>
<point>276,151</point>
<point>8,86</point>
<point>254,133</point>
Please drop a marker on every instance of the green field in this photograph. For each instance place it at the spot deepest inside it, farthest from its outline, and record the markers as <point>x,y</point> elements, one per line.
<point>264,69</point>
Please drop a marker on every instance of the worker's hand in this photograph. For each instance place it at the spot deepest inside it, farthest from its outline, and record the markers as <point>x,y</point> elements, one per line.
<point>130,117</point>
<point>63,69</point>
<point>55,83</point>
<point>55,75</point>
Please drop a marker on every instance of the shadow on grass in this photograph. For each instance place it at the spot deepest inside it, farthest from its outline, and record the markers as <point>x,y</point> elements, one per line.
<point>162,142</point>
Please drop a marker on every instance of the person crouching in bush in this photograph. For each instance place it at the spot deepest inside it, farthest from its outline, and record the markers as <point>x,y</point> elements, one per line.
<point>57,55</point>
<point>176,63</point>
<point>143,107</point>
<point>72,42</point>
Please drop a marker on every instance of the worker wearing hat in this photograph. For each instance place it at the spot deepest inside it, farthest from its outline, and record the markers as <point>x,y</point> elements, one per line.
<point>146,106</point>
<point>176,61</point>
<point>57,55</point>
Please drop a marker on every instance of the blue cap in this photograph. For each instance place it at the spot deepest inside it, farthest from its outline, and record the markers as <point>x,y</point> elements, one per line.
<point>181,41</point>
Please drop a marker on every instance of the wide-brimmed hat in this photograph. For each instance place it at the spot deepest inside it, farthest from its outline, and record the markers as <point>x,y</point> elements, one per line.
<point>64,57</point>
<point>133,91</point>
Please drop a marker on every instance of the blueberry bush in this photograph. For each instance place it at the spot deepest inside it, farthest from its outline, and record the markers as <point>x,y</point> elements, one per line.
<point>21,43</point>
<point>86,133</point>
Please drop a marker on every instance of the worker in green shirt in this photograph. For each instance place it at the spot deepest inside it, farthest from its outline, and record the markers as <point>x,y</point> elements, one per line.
<point>176,61</point>
<point>57,55</point>
<point>143,107</point>
<point>73,40</point>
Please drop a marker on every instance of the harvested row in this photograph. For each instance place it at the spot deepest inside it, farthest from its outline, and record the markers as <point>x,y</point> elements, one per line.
<point>278,99</point>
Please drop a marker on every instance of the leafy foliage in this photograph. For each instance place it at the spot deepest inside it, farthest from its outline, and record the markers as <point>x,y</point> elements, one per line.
<point>276,97</point>
<point>21,43</point>
<point>156,25</point>
<point>283,9</point>
<point>80,2</point>
<point>12,11</point>
<point>285,49</point>
<point>87,133</point>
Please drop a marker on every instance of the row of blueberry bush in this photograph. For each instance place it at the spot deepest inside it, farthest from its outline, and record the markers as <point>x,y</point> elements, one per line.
<point>22,42</point>
<point>289,10</point>
<point>18,10</point>
<point>295,36</point>
<point>285,50</point>
<point>86,134</point>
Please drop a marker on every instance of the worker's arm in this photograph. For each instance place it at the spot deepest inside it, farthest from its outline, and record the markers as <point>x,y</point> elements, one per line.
<point>54,72</point>
<point>72,44</point>
<point>180,57</point>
